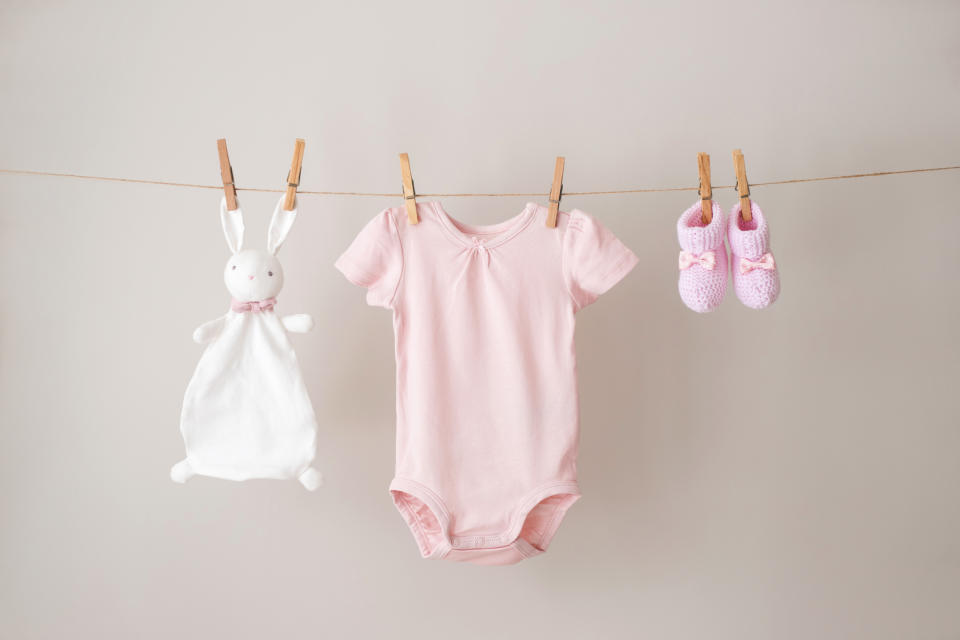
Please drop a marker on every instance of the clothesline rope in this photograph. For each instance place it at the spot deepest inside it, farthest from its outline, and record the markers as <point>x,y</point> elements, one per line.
<point>165,183</point>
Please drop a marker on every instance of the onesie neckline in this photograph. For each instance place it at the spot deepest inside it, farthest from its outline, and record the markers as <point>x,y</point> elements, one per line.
<point>470,235</point>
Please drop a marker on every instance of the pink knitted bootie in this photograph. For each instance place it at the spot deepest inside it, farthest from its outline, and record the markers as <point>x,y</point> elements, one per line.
<point>755,277</point>
<point>703,259</point>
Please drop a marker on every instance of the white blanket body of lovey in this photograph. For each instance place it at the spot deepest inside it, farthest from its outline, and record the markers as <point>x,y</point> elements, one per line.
<point>246,412</point>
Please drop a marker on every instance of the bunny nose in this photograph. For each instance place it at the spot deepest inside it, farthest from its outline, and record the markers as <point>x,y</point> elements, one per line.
<point>250,277</point>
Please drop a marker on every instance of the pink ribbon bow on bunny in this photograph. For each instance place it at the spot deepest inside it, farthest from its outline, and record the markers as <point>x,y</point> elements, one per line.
<point>263,305</point>
<point>766,262</point>
<point>707,260</point>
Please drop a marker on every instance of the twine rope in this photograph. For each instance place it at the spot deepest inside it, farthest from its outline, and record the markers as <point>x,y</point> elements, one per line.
<point>167,183</point>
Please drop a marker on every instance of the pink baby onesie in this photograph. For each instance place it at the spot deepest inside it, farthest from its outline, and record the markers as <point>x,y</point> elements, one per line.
<point>487,410</point>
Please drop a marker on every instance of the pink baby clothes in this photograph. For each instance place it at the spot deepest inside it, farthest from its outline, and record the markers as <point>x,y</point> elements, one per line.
<point>703,258</point>
<point>487,409</point>
<point>756,280</point>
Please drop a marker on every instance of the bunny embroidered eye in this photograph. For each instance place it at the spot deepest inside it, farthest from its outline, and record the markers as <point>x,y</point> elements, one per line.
<point>269,273</point>
<point>233,268</point>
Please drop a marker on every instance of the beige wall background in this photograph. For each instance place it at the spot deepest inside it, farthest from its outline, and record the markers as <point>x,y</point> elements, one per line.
<point>791,473</point>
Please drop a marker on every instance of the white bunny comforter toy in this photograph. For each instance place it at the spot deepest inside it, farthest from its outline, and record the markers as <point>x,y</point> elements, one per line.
<point>246,412</point>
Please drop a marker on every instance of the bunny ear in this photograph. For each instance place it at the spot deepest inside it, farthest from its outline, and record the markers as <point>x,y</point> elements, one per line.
<point>232,226</point>
<point>280,225</point>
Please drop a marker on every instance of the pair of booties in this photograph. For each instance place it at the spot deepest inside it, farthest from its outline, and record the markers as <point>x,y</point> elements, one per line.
<point>704,264</point>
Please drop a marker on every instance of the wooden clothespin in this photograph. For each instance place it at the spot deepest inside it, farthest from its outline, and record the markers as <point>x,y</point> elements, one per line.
<point>706,191</point>
<point>409,194</point>
<point>226,174</point>
<point>743,187</point>
<point>556,192</point>
<point>293,178</point>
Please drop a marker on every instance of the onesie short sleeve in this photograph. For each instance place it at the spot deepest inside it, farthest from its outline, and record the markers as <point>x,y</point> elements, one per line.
<point>593,259</point>
<point>374,260</point>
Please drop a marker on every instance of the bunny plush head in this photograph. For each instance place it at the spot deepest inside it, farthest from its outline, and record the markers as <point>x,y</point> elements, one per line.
<point>253,275</point>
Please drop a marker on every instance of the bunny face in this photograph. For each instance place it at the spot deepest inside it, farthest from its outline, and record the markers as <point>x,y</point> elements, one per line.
<point>253,275</point>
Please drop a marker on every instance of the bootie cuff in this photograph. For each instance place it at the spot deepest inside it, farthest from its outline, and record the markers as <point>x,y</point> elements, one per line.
<point>748,239</point>
<point>696,237</point>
